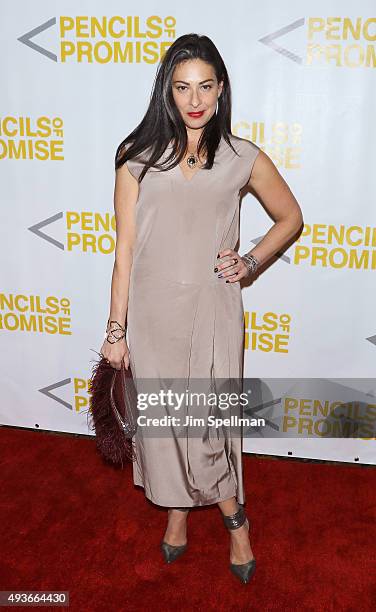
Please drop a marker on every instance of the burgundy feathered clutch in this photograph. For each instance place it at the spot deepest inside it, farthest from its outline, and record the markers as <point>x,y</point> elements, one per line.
<point>112,411</point>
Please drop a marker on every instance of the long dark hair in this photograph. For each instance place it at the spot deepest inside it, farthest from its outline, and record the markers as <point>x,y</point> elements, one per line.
<point>162,122</point>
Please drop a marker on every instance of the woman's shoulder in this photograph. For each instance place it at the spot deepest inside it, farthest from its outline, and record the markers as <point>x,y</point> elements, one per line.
<point>137,162</point>
<point>243,145</point>
<point>139,156</point>
<point>246,150</point>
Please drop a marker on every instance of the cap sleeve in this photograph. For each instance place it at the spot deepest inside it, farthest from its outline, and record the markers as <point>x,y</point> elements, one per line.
<point>248,152</point>
<point>134,165</point>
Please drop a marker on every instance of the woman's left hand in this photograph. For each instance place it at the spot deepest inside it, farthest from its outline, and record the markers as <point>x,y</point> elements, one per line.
<point>233,268</point>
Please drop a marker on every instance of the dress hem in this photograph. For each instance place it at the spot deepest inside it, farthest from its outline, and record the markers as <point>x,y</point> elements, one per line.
<point>185,505</point>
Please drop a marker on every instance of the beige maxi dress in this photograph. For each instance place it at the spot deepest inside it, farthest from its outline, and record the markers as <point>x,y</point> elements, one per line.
<point>186,323</point>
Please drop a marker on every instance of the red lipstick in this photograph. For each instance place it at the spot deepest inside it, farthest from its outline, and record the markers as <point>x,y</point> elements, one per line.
<point>196,115</point>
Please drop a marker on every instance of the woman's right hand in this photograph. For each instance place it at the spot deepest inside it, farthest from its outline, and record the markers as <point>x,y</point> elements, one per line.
<point>116,352</point>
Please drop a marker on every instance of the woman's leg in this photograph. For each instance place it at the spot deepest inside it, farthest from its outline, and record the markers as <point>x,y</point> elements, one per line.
<point>176,532</point>
<point>240,550</point>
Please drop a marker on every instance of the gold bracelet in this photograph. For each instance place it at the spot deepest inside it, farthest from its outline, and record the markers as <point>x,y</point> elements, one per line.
<point>113,332</point>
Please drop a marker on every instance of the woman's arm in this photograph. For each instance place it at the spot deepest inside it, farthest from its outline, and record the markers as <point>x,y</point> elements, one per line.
<point>282,206</point>
<point>279,202</point>
<point>125,200</point>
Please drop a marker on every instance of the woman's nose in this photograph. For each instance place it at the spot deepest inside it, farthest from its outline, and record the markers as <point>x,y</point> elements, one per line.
<point>195,99</point>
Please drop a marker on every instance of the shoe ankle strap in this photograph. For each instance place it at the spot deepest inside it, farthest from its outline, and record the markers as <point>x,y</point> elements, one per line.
<point>236,520</point>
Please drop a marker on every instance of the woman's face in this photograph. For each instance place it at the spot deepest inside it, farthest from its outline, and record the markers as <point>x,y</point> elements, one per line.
<point>195,90</point>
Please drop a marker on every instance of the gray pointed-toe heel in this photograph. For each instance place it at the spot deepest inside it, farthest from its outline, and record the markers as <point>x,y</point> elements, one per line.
<point>170,552</point>
<point>243,571</point>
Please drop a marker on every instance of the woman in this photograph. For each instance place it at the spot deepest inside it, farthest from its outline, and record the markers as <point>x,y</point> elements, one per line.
<point>175,285</point>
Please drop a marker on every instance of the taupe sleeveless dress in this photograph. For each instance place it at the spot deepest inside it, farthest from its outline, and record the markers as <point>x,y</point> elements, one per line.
<point>184,322</point>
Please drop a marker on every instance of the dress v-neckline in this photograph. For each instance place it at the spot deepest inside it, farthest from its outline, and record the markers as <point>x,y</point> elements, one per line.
<point>188,180</point>
<point>180,170</point>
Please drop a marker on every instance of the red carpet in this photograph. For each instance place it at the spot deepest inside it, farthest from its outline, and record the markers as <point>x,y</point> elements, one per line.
<point>71,523</point>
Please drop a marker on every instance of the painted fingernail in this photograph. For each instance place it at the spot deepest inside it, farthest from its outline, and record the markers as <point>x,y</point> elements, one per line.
<point>215,269</point>
<point>217,255</point>
<point>220,275</point>
<point>227,281</point>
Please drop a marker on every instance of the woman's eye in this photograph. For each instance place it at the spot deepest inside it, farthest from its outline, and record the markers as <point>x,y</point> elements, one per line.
<point>184,87</point>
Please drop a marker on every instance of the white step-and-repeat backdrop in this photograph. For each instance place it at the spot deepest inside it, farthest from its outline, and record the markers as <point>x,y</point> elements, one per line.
<point>76,78</point>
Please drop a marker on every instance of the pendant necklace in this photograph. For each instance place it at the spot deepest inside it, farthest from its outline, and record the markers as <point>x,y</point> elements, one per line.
<point>192,160</point>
